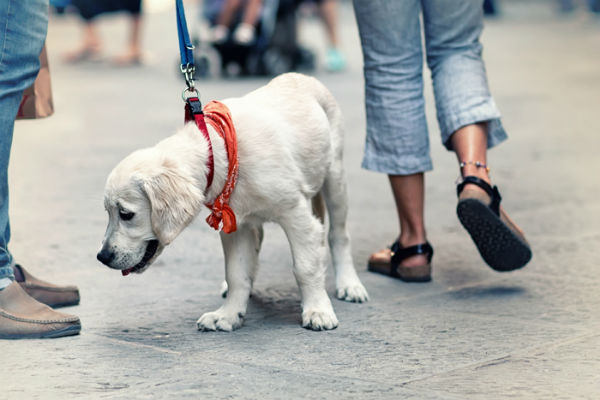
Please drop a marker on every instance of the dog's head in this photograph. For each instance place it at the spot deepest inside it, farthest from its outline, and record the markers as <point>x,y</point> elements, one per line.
<point>150,199</point>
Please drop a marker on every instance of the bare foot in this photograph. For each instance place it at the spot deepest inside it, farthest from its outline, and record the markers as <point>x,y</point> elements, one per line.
<point>131,57</point>
<point>85,53</point>
<point>385,256</point>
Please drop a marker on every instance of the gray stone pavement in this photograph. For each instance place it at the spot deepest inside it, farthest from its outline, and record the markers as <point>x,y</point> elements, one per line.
<point>471,333</point>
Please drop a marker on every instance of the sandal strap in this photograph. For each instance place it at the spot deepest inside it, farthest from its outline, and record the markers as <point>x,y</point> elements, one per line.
<point>399,253</point>
<point>493,192</point>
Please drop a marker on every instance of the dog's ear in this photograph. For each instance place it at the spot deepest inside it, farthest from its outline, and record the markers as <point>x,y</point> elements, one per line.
<point>175,200</point>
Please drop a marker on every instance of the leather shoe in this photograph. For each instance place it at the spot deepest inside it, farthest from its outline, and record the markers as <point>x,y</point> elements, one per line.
<point>48,293</point>
<point>22,317</point>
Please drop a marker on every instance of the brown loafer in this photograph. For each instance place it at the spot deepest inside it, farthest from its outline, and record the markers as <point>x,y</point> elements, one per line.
<point>48,293</point>
<point>22,317</point>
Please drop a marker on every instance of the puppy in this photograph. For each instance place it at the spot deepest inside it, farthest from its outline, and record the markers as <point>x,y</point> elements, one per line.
<point>290,139</point>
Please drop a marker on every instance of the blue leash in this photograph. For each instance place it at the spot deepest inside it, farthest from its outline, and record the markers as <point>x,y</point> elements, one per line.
<point>186,48</point>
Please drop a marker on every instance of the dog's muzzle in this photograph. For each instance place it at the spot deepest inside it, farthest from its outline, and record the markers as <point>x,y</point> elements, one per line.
<point>151,248</point>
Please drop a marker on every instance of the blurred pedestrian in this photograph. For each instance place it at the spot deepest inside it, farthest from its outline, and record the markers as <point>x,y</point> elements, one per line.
<point>91,47</point>
<point>397,140</point>
<point>24,312</point>
<point>245,32</point>
<point>328,13</point>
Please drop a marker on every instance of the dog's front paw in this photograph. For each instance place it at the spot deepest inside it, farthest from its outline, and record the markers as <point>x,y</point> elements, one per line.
<point>220,321</point>
<point>318,320</point>
<point>354,292</point>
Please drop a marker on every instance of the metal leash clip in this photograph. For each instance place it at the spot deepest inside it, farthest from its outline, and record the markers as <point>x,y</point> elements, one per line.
<point>188,72</point>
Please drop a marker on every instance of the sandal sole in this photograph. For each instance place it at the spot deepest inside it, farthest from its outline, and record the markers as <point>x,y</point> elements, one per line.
<point>499,246</point>
<point>385,269</point>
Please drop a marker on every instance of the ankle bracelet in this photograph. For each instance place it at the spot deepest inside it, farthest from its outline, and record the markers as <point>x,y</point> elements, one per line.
<point>477,164</point>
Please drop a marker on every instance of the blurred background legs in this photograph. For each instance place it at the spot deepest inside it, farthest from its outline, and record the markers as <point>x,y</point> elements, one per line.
<point>335,61</point>
<point>91,46</point>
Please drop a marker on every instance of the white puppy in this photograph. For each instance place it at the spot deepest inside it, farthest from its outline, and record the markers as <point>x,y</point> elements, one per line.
<point>290,143</point>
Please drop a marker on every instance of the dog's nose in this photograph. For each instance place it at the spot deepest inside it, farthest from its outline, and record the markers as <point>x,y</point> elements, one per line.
<point>105,256</point>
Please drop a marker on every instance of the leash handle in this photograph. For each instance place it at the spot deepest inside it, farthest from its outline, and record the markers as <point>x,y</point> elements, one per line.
<point>186,47</point>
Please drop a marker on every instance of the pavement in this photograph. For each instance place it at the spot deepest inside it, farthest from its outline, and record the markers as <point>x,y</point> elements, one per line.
<point>470,333</point>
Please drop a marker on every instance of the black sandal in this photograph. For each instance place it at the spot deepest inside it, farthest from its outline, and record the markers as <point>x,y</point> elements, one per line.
<point>499,241</point>
<point>420,273</point>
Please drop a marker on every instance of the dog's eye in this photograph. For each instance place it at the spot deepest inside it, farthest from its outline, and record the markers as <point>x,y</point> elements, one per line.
<point>125,215</point>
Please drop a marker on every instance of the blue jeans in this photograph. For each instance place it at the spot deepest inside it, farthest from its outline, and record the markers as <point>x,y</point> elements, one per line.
<point>397,140</point>
<point>23,26</point>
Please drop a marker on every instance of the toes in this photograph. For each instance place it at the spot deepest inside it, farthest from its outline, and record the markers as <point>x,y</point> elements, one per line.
<point>319,321</point>
<point>381,256</point>
<point>207,322</point>
<point>214,321</point>
<point>353,294</point>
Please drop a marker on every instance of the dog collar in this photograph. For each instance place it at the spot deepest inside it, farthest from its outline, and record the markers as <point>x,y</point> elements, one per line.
<point>218,116</point>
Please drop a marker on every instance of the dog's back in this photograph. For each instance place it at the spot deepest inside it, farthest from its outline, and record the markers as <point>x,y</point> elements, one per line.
<point>289,133</point>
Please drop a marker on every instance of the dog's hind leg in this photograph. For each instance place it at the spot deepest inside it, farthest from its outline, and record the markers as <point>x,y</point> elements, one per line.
<point>348,286</point>
<point>304,232</point>
<point>241,256</point>
<point>254,264</point>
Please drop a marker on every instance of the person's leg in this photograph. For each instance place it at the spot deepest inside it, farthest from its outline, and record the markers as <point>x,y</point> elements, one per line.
<point>329,13</point>
<point>6,261</point>
<point>133,52</point>
<point>470,124</point>
<point>91,45</point>
<point>246,30</point>
<point>460,84</point>
<point>397,141</point>
<point>252,12</point>
<point>328,10</point>
<point>21,41</point>
<point>470,145</point>
<point>409,194</point>
<point>467,114</point>
<point>20,47</point>
<point>220,32</point>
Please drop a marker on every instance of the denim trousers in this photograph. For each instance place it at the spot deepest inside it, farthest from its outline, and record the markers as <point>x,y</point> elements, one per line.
<point>397,141</point>
<point>23,26</point>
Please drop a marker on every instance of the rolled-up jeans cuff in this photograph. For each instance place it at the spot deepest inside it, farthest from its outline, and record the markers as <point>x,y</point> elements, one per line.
<point>405,165</point>
<point>486,112</point>
<point>7,272</point>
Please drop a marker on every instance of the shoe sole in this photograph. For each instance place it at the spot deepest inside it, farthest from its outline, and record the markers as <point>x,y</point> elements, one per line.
<point>385,269</point>
<point>68,331</point>
<point>499,246</point>
<point>66,304</point>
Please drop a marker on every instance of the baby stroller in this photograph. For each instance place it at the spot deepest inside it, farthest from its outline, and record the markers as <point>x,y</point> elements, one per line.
<point>274,51</point>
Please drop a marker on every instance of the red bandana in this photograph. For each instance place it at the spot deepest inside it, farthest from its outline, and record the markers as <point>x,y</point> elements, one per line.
<point>218,116</point>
